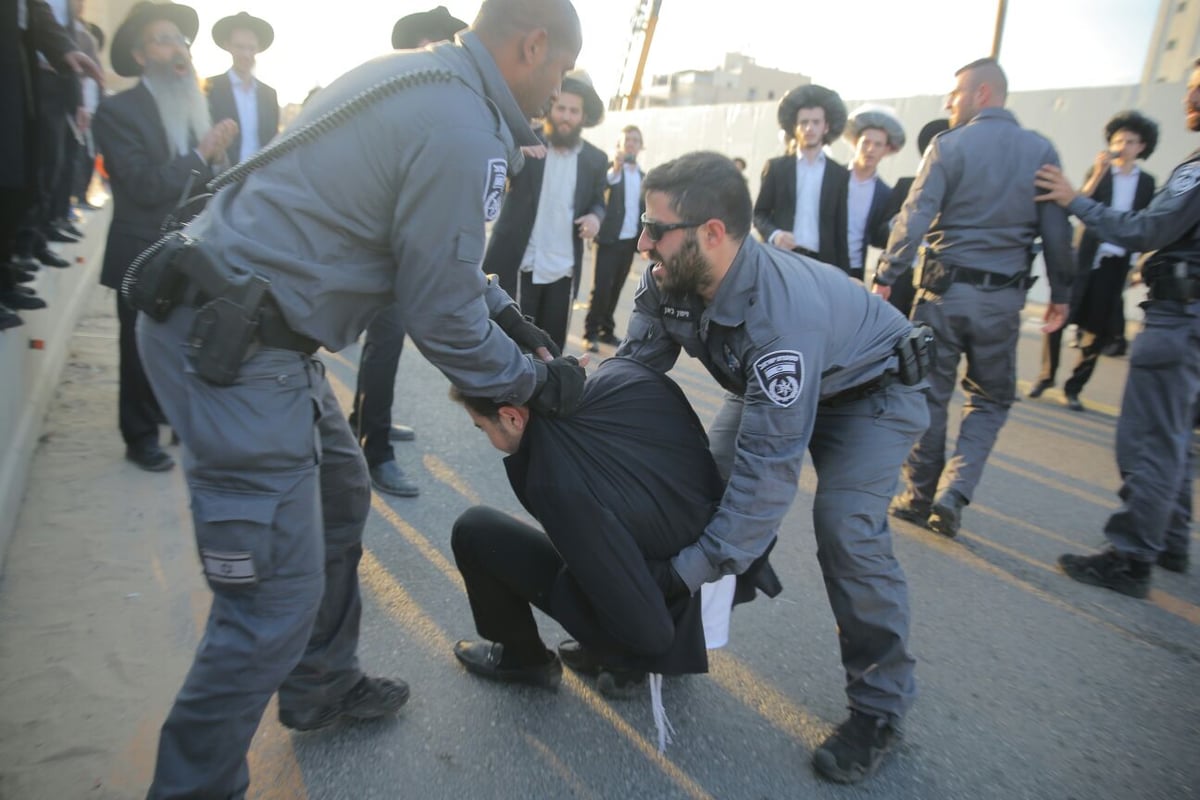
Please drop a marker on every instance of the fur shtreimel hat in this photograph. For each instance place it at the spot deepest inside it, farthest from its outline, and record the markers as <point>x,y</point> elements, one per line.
<point>1140,124</point>
<point>872,116</point>
<point>811,96</point>
<point>129,36</point>
<point>244,22</point>
<point>436,25</point>
<point>578,82</point>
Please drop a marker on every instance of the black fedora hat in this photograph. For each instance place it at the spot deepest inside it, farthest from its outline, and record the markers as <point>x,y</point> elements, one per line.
<point>813,96</point>
<point>436,25</point>
<point>930,130</point>
<point>129,35</point>
<point>243,21</point>
<point>577,81</point>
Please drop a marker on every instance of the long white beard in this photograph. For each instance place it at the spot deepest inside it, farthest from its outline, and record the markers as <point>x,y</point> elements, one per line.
<point>182,109</point>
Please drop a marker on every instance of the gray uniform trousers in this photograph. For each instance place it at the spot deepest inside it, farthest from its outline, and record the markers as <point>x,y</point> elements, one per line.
<point>984,326</point>
<point>857,449</point>
<point>1154,433</point>
<point>280,495</point>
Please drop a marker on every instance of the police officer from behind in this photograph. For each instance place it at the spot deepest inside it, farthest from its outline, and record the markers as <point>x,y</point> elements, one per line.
<point>388,206</point>
<point>1154,432</point>
<point>810,358</point>
<point>973,201</point>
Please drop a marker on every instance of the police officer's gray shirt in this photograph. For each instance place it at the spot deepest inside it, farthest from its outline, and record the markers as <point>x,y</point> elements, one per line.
<point>783,331</point>
<point>973,199</point>
<point>1173,212</point>
<point>390,207</point>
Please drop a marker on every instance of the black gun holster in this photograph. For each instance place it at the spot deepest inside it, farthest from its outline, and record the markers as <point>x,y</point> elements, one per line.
<point>914,353</point>
<point>178,270</point>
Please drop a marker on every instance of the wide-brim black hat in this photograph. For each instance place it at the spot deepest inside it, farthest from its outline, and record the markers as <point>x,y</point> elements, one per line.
<point>246,22</point>
<point>1143,126</point>
<point>880,117</point>
<point>930,130</point>
<point>811,96</point>
<point>577,81</point>
<point>129,35</point>
<point>435,25</point>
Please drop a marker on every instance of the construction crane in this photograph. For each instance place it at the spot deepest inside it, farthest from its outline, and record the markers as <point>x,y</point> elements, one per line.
<point>645,18</point>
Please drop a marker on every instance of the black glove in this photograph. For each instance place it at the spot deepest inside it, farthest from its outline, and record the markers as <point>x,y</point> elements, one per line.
<point>559,394</point>
<point>668,579</point>
<point>522,331</point>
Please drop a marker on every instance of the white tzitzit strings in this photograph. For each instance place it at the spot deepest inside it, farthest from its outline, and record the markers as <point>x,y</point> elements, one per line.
<point>665,729</point>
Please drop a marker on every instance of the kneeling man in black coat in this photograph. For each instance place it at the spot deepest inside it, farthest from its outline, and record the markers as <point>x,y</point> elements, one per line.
<point>619,487</point>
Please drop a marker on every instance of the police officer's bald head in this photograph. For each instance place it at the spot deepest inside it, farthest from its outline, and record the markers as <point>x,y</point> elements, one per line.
<point>534,43</point>
<point>986,72</point>
<point>979,85</point>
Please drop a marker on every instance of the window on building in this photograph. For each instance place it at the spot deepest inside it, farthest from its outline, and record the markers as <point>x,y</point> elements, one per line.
<point>1181,6</point>
<point>751,94</point>
<point>771,95</point>
<point>1170,44</point>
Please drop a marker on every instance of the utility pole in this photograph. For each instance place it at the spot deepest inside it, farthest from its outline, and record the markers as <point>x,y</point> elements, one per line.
<point>999,35</point>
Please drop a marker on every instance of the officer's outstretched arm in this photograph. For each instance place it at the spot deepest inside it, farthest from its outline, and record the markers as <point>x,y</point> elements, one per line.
<point>1172,212</point>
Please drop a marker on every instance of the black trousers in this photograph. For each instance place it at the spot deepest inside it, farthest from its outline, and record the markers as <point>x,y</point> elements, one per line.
<point>549,304</point>
<point>138,413</point>
<point>13,205</point>
<point>371,417</point>
<point>507,566</point>
<point>55,98</point>
<point>613,262</point>
<point>903,293</point>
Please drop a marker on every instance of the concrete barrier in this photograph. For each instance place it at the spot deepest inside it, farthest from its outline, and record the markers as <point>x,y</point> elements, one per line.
<point>31,361</point>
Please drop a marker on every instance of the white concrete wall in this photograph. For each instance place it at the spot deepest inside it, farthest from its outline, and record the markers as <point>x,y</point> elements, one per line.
<point>28,376</point>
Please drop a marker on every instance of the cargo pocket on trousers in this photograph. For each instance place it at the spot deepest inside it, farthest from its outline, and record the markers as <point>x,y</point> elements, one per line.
<point>234,535</point>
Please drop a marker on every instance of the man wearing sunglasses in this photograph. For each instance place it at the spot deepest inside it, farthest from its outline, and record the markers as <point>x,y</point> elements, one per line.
<point>810,360</point>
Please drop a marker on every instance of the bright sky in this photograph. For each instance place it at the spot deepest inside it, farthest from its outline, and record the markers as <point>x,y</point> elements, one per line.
<point>866,49</point>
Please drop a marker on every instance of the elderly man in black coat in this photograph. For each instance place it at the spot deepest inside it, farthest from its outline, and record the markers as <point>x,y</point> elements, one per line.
<point>158,140</point>
<point>619,487</point>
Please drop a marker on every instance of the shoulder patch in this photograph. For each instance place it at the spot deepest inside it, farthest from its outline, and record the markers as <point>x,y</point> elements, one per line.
<point>781,376</point>
<point>1184,179</point>
<point>493,193</point>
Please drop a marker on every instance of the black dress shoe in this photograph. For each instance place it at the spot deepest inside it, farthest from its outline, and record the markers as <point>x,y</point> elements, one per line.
<point>390,479</point>
<point>9,319</point>
<point>1175,562</point>
<point>68,227</point>
<point>20,301</point>
<point>613,683</point>
<point>59,235</point>
<point>22,276</point>
<point>591,345</point>
<point>149,457</point>
<point>1038,388</point>
<point>401,433</point>
<point>371,698</point>
<point>578,658</point>
<point>1072,400</point>
<point>50,258</point>
<point>483,658</point>
<point>24,262</point>
<point>610,339</point>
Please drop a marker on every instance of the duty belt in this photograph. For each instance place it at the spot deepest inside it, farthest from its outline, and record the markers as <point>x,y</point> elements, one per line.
<point>862,390</point>
<point>804,251</point>
<point>984,279</point>
<point>1180,290</point>
<point>273,330</point>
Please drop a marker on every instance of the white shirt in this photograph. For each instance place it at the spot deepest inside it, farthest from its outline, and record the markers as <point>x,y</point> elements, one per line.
<point>858,206</point>
<point>631,225</point>
<point>550,254</point>
<point>1124,187</point>
<point>809,177</point>
<point>245,96</point>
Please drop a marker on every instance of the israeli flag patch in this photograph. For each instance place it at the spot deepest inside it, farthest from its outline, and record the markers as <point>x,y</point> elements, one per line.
<point>781,376</point>
<point>493,194</point>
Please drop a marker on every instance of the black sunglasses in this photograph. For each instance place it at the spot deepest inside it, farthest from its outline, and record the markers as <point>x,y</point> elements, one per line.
<point>657,230</point>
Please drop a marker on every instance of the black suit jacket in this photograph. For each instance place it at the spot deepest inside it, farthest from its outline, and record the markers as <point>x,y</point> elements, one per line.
<point>627,478</point>
<point>18,75</point>
<point>510,236</point>
<point>614,209</point>
<point>775,208</point>
<point>1089,243</point>
<point>222,106</point>
<point>147,178</point>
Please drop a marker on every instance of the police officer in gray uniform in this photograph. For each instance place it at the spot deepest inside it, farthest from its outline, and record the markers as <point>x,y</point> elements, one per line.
<point>809,358</point>
<point>1158,410</point>
<point>973,200</point>
<point>279,487</point>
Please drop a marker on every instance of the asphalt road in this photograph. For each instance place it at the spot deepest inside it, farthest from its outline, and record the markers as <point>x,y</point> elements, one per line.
<point>1032,686</point>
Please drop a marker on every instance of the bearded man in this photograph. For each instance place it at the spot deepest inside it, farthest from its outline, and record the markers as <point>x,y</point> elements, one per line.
<point>157,139</point>
<point>552,205</point>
